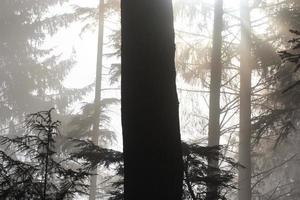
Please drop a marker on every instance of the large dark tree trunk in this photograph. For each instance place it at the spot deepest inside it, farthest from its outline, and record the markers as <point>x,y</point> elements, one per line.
<point>97,100</point>
<point>214,103</point>
<point>150,121</point>
<point>244,181</point>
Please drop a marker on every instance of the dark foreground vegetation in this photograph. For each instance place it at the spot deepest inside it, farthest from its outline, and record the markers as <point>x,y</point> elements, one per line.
<point>33,166</point>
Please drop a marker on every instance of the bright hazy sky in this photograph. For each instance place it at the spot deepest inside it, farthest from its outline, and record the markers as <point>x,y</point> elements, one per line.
<point>85,47</point>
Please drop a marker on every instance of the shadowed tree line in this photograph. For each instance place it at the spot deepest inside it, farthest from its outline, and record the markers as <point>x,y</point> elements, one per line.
<point>41,171</point>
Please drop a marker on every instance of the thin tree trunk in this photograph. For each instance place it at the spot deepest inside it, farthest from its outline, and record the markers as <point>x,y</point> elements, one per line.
<point>244,179</point>
<point>214,105</point>
<point>97,100</point>
<point>153,163</point>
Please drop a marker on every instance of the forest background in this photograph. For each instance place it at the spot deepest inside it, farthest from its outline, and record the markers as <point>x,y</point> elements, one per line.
<point>54,53</point>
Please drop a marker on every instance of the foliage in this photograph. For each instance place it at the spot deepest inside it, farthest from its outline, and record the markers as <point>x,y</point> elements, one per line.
<point>276,169</point>
<point>31,77</point>
<point>195,171</point>
<point>281,118</point>
<point>80,125</point>
<point>292,55</point>
<point>39,172</point>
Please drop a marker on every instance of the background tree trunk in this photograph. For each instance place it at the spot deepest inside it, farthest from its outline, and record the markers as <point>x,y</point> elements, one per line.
<point>150,119</point>
<point>214,102</point>
<point>97,100</point>
<point>244,179</point>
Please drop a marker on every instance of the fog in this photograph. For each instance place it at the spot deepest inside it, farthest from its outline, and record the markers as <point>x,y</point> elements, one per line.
<point>91,108</point>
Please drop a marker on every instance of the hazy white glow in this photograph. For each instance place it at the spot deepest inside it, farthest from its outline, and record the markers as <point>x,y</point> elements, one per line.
<point>85,47</point>
<point>84,71</point>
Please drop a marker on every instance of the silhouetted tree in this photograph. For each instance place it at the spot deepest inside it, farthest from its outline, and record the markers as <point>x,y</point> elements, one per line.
<point>151,136</point>
<point>41,173</point>
<point>214,100</point>
<point>97,100</point>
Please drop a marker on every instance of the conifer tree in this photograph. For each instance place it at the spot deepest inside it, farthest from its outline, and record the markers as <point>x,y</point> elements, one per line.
<point>153,167</point>
<point>40,172</point>
<point>214,105</point>
<point>31,77</point>
<point>244,177</point>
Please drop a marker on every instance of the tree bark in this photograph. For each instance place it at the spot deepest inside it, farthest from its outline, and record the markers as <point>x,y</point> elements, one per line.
<point>153,163</point>
<point>214,102</point>
<point>244,180</point>
<point>97,100</point>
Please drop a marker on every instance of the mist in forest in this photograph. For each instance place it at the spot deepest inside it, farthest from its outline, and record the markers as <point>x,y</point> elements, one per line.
<point>149,100</point>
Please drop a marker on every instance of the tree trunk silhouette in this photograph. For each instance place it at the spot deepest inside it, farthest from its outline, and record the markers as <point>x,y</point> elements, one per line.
<point>244,180</point>
<point>97,100</point>
<point>214,102</point>
<point>153,164</point>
